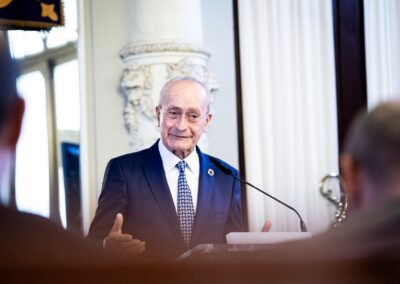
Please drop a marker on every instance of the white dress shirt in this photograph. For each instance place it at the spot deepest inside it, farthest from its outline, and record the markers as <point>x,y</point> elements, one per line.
<point>169,161</point>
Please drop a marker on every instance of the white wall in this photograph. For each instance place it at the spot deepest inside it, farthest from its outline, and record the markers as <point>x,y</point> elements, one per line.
<point>102,36</point>
<point>219,38</point>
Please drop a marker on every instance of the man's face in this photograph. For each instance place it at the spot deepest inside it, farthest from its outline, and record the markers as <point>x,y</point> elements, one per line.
<point>183,117</point>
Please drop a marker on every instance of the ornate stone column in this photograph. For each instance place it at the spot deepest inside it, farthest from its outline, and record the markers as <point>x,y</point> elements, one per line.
<point>165,41</point>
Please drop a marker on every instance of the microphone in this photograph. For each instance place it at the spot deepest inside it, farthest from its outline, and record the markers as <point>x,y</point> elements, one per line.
<point>230,173</point>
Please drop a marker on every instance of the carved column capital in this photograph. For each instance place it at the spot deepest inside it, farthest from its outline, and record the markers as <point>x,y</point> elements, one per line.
<point>175,47</point>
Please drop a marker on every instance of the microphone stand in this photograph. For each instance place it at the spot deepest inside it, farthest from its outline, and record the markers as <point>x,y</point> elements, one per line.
<point>303,226</point>
<point>227,171</point>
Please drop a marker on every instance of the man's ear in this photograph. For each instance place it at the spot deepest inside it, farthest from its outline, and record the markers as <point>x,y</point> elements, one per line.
<point>158,113</point>
<point>208,119</point>
<point>12,126</point>
<point>350,172</point>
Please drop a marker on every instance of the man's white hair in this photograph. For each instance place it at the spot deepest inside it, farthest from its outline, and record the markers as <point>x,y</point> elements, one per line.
<point>172,81</point>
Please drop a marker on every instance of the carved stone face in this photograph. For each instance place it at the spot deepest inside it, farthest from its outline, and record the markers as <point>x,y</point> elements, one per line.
<point>183,117</point>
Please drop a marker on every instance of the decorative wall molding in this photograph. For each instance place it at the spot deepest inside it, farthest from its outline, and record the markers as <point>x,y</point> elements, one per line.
<point>186,67</point>
<point>136,49</point>
<point>137,87</point>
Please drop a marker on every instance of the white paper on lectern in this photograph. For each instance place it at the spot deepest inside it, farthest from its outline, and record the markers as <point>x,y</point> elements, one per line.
<point>265,237</point>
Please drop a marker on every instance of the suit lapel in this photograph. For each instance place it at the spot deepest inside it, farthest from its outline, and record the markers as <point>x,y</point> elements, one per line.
<point>206,188</point>
<point>154,172</point>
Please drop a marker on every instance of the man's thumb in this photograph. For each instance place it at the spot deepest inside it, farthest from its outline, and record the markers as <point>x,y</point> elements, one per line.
<point>117,227</point>
<point>267,226</point>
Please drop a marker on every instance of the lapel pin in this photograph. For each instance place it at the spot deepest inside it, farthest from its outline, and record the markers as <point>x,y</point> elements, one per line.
<point>210,172</point>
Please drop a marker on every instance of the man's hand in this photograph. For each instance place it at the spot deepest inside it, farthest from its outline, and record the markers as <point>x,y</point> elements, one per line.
<point>120,243</point>
<point>267,226</point>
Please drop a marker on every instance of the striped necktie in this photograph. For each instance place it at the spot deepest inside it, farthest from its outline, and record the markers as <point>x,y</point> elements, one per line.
<point>185,203</point>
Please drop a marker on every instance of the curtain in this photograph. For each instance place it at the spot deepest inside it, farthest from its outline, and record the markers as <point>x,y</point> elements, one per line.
<point>289,109</point>
<point>382,46</point>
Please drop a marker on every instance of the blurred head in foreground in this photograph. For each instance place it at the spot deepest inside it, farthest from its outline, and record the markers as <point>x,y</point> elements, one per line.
<point>370,163</point>
<point>11,105</point>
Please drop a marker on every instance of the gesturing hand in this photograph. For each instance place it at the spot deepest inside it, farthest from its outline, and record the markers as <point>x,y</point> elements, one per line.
<point>120,243</point>
<point>267,226</point>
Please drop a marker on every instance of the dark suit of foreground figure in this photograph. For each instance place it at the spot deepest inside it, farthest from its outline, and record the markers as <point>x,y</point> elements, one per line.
<point>136,185</point>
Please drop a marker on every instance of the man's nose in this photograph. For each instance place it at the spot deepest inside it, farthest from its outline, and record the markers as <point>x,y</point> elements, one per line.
<point>181,122</point>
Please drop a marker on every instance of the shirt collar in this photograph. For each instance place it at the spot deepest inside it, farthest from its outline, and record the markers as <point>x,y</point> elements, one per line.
<point>170,160</point>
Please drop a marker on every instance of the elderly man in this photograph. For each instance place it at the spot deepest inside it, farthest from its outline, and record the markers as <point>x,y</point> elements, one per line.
<point>170,197</point>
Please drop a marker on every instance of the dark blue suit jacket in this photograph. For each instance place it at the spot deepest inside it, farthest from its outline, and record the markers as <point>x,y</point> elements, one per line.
<point>135,185</point>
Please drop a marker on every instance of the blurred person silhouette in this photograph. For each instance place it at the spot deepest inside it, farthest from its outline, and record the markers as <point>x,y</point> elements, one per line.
<point>28,240</point>
<point>370,166</point>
